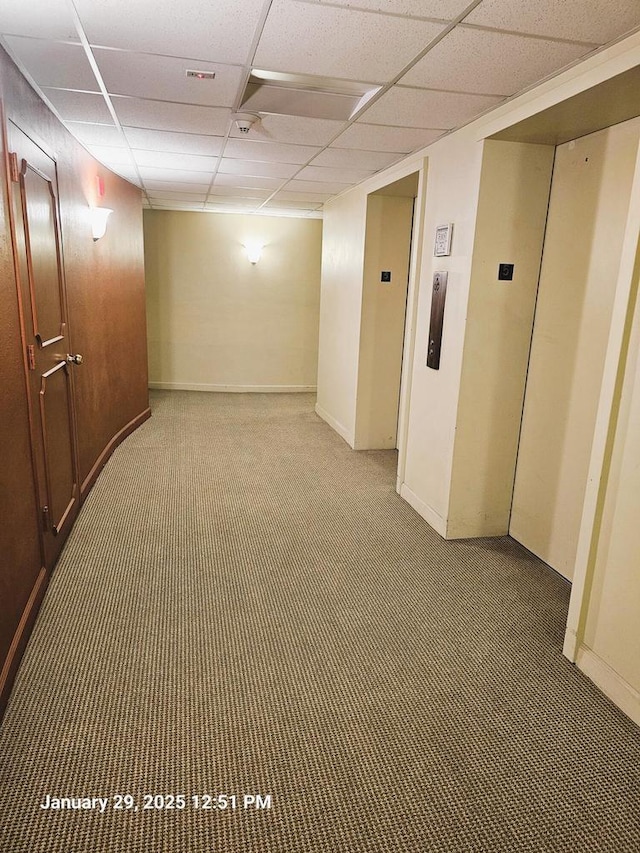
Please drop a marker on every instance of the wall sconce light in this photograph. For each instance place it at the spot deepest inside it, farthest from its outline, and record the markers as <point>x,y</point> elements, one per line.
<point>99,216</point>
<point>253,251</point>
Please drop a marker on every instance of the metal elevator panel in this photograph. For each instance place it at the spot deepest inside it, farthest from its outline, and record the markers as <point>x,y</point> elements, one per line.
<point>437,318</point>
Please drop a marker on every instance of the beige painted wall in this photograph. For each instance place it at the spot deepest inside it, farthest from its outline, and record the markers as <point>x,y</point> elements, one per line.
<point>217,322</point>
<point>451,193</point>
<point>387,247</point>
<point>613,615</point>
<point>510,226</point>
<point>451,196</point>
<point>342,277</point>
<point>587,217</point>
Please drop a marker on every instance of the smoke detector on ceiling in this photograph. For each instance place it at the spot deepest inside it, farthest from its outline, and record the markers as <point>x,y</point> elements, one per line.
<point>245,121</point>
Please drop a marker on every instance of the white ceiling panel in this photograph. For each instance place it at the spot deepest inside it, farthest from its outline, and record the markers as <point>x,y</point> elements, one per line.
<point>167,186</point>
<point>179,128</point>
<point>248,181</point>
<point>182,176</point>
<point>197,28</point>
<point>347,158</point>
<point>249,167</point>
<point>171,196</point>
<point>54,64</point>
<point>332,188</point>
<point>175,143</point>
<point>164,78</point>
<point>252,203</point>
<point>79,106</point>
<point>596,21</point>
<point>169,204</point>
<point>375,137</point>
<point>127,173</point>
<point>269,151</point>
<point>290,205</point>
<point>345,176</point>
<point>441,9</point>
<point>50,20</point>
<point>294,129</point>
<point>353,45</point>
<point>157,115</point>
<point>179,204</point>
<point>97,134</point>
<point>164,160</point>
<point>112,156</point>
<point>470,60</point>
<point>423,108</point>
<point>242,192</point>
<point>319,198</point>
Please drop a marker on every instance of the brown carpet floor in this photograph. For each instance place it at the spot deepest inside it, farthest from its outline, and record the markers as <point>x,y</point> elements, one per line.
<point>246,607</point>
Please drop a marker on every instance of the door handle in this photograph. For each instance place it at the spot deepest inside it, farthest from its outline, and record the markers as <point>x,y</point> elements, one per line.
<point>75,359</point>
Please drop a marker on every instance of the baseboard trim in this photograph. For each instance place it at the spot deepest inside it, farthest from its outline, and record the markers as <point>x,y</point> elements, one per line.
<point>233,389</point>
<point>430,515</point>
<point>335,425</point>
<point>117,439</point>
<point>20,638</point>
<point>621,693</point>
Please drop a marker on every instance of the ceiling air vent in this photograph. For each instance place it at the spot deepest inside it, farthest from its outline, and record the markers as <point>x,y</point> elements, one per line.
<point>305,95</point>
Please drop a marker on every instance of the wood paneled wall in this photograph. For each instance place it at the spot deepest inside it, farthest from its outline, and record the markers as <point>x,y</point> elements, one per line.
<point>105,293</point>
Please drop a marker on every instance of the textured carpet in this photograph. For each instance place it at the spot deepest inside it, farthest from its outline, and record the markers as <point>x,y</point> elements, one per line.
<point>246,607</point>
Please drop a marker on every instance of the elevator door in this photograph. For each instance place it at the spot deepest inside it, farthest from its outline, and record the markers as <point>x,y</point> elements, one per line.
<point>588,208</point>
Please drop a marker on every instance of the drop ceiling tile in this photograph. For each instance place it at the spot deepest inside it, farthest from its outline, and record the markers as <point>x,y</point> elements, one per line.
<point>143,75</point>
<point>331,188</point>
<point>97,134</point>
<point>298,130</point>
<point>183,176</point>
<point>596,21</point>
<point>249,167</point>
<point>470,60</point>
<point>269,151</point>
<point>79,106</point>
<point>157,115</point>
<point>162,187</point>
<point>51,63</point>
<point>251,203</point>
<point>345,43</point>
<point>50,20</point>
<point>129,174</point>
<point>172,196</point>
<point>442,9</point>
<point>290,205</point>
<point>200,29</point>
<point>347,158</point>
<point>375,137</point>
<point>319,198</point>
<point>346,176</point>
<point>422,108</point>
<point>175,143</point>
<point>167,204</point>
<point>241,192</point>
<point>164,160</point>
<point>111,156</point>
<point>248,181</point>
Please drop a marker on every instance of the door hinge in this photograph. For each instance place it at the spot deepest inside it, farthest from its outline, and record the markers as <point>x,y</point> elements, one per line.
<point>31,356</point>
<point>45,518</point>
<point>13,167</point>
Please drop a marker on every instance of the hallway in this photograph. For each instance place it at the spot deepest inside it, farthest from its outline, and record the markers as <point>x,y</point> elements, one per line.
<point>245,606</point>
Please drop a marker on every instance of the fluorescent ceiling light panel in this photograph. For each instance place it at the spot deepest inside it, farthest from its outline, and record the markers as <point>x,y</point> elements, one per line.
<point>305,95</point>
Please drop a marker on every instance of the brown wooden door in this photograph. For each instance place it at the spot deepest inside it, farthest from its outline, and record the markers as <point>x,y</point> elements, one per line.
<point>38,253</point>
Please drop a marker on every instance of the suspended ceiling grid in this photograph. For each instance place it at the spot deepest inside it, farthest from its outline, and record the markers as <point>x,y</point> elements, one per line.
<point>115,73</point>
